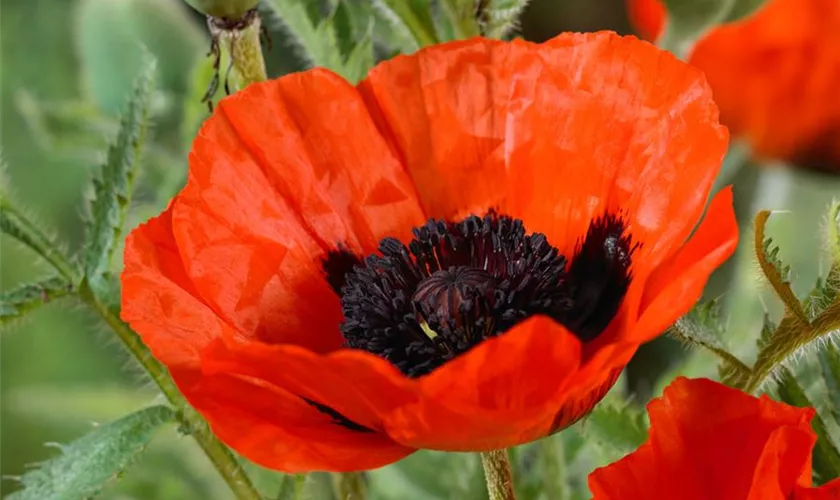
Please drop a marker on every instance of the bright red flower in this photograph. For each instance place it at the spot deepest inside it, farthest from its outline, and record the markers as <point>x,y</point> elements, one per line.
<point>774,75</point>
<point>251,287</point>
<point>711,442</point>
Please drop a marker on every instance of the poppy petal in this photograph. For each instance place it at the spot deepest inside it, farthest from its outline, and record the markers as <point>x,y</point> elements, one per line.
<point>711,441</point>
<point>607,118</point>
<point>634,133</point>
<point>647,17</point>
<point>828,491</point>
<point>356,384</point>
<point>284,172</point>
<point>281,431</point>
<point>496,395</point>
<point>444,110</point>
<point>161,303</point>
<point>246,252</point>
<point>319,148</point>
<point>676,285</point>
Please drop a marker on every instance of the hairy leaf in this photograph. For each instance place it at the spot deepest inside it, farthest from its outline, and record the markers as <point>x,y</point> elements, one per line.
<point>702,327</point>
<point>826,457</point>
<point>85,465</point>
<point>618,427</point>
<point>500,18</point>
<point>30,296</point>
<point>112,188</point>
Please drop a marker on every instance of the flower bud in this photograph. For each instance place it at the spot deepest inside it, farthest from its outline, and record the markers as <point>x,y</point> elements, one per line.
<point>226,9</point>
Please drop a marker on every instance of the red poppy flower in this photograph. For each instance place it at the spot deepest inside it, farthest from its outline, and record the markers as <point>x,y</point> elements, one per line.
<point>708,441</point>
<point>298,312</point>
<point>774,75</point>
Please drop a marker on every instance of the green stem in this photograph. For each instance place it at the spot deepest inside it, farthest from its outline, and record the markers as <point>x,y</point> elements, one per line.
<point>18,226</point>
<point>349,486</point>
<point>239,42</point>
<point>497,474</point>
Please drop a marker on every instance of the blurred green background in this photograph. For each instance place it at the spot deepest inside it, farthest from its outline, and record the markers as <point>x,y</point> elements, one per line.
<point>66,68</point>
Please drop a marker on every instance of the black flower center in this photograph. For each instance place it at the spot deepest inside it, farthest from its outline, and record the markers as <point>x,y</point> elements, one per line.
<point>457,284</point>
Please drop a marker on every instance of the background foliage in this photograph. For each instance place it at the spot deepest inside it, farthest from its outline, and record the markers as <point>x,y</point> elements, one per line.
<point>68,66</point>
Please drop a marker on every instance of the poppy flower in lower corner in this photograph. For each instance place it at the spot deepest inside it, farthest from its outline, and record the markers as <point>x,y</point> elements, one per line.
<point>711,442</point>
<point>774,75</point>
<point>461,253</point>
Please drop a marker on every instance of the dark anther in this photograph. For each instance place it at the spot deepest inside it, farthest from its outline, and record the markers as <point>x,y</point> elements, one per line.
<point>456,284</point>
<point>337,417</point>
<point>599,276</point>
<point>337,264</point>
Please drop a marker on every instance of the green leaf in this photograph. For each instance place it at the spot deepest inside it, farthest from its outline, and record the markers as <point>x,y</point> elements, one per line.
<point>360,60</point>
<point>315,43</point>
<point>688,20</point>
<point>829,357</point>
<point>825,456</point>
<point>409,16</point>
<point>500,18</point>
<point>702,327</point>
<point>85,465</point>
<point>28,297</point>
<point>618,427</point>
<point>112,188</point>
<point>462,17</point>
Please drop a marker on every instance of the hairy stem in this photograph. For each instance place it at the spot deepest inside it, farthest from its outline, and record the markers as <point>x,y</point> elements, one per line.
<point>497,474</point>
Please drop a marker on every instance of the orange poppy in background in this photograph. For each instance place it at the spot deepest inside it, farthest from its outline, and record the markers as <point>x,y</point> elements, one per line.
<point>708,441</point>
<point>461,253</point>
<point>775,76</point>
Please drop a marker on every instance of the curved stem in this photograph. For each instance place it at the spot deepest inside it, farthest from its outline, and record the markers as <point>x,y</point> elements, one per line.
<point>498,475</point>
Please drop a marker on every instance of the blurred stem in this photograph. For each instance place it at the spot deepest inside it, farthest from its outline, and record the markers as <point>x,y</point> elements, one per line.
<point>553,475</point>
<point>497,474</point>
<point>239,41</point>
<point>349,486</point>
<point>21,228</point>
